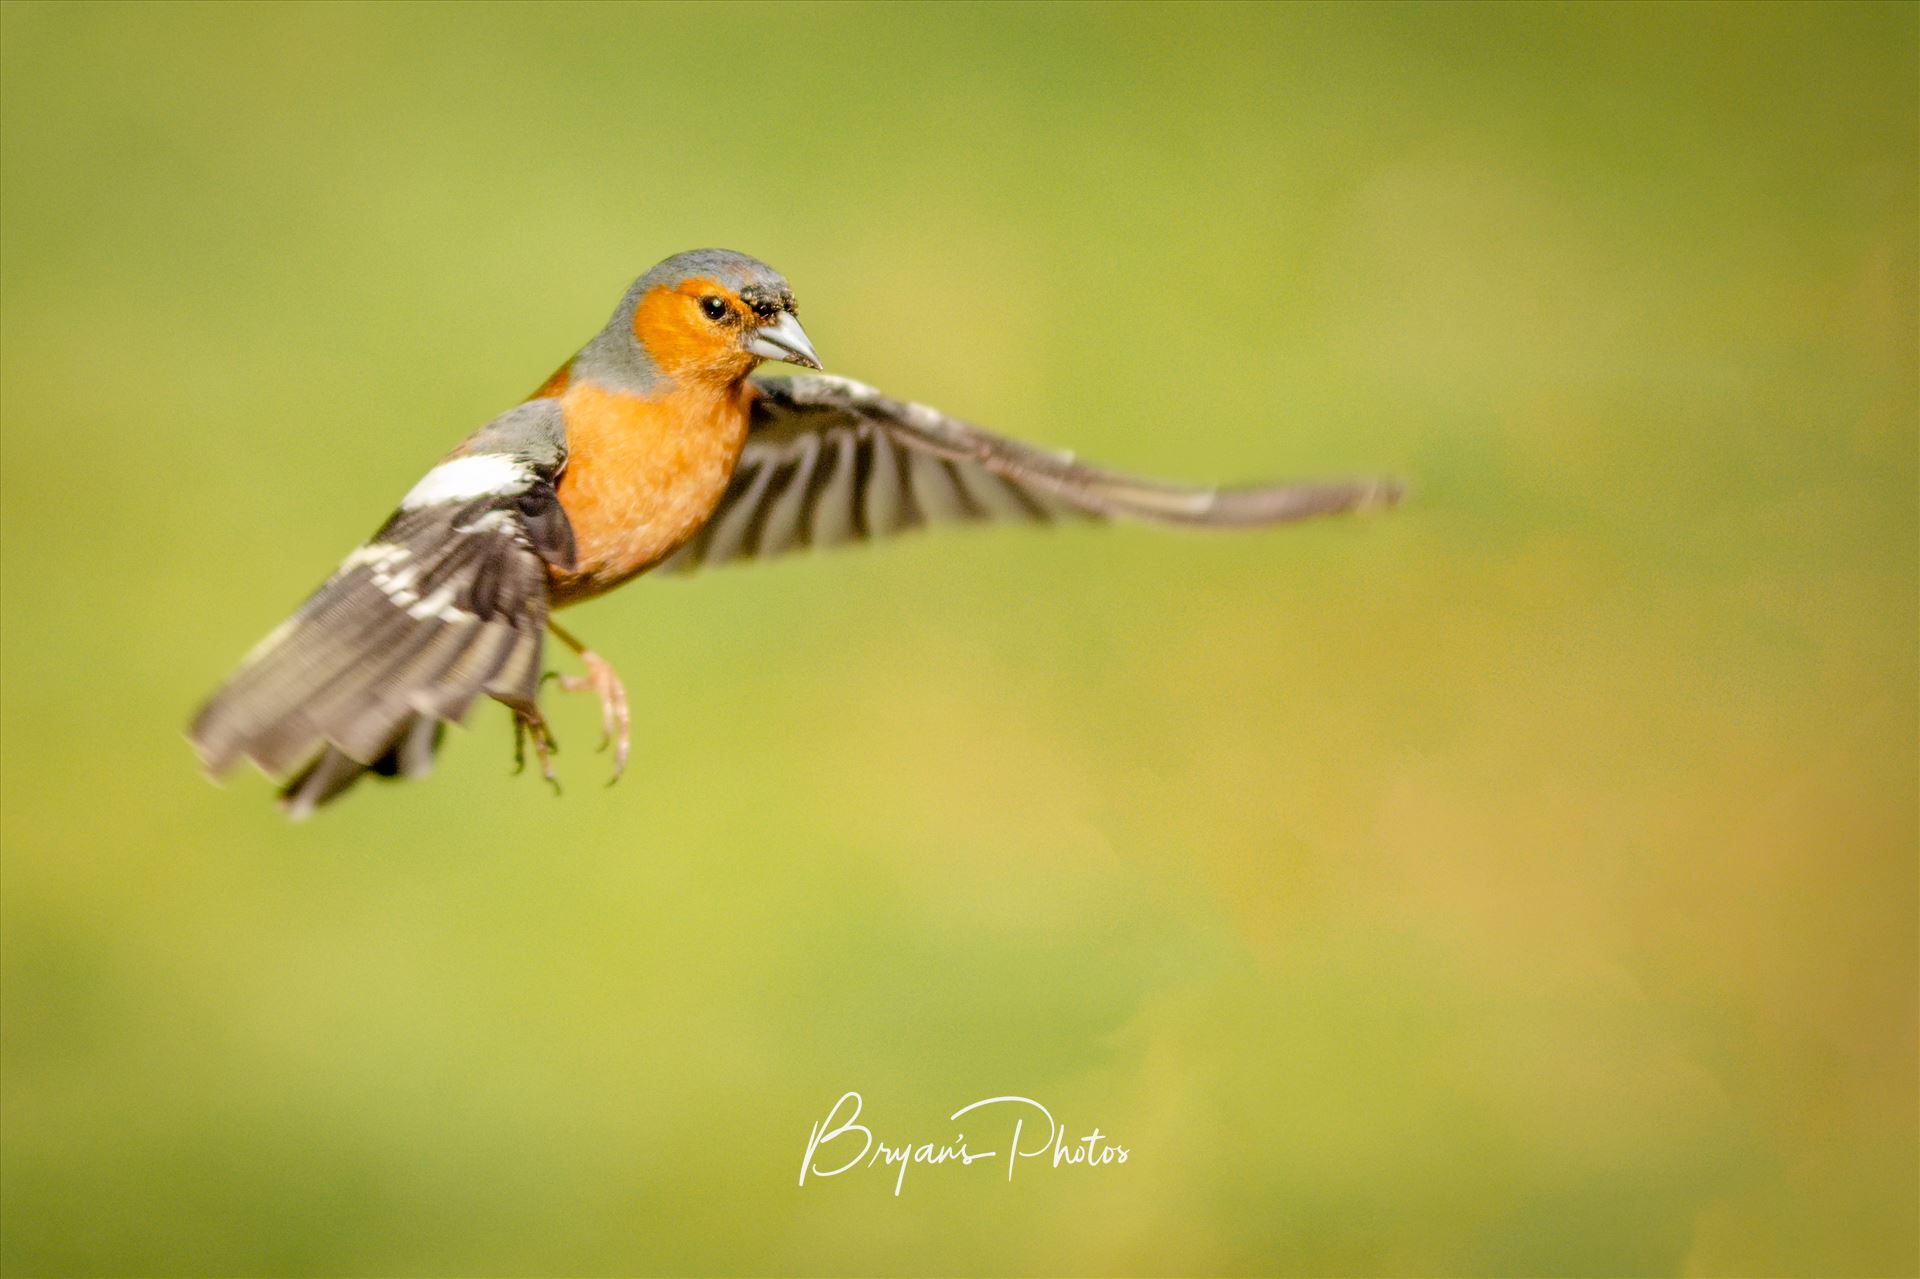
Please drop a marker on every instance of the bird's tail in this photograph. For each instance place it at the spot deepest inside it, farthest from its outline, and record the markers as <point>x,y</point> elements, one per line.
<point>334,770</point>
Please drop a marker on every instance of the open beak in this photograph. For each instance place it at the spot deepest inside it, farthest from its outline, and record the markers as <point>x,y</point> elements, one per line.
<point>784,339</point>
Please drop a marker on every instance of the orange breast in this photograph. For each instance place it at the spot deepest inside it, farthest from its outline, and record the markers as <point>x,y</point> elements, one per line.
<point>642,476</point>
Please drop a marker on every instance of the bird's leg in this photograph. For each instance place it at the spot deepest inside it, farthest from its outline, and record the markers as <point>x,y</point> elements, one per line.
<point>600,679</point>
<point>528,723</point>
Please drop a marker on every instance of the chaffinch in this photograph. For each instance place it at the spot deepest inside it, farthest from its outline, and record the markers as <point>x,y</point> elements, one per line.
<point>654,449</point>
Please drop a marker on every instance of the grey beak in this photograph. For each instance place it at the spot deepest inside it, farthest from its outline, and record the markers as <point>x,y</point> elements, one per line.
<point>784,339</point>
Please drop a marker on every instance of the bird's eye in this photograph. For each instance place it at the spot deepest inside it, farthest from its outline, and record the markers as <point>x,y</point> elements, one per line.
<point>716,308</point>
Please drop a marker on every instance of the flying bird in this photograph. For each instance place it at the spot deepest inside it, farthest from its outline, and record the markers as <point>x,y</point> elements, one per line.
<point>655,449</point>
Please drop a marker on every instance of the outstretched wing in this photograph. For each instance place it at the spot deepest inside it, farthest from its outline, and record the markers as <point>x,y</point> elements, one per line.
<point>829,460</point>
<point>446,602</point>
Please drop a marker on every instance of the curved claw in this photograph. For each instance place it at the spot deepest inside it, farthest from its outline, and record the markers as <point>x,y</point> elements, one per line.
<point>615,720</point>
<point>529,724</point>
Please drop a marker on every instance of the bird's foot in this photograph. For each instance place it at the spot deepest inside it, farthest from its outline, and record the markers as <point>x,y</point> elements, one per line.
<point>615,724</point>
<point>529,724</point>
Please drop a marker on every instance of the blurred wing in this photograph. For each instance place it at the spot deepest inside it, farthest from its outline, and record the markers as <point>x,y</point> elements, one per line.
<point>446,602</point>
<point>829,460</point>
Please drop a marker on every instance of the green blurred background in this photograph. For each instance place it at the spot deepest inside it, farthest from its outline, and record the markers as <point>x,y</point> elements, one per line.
<point>1523,882</point>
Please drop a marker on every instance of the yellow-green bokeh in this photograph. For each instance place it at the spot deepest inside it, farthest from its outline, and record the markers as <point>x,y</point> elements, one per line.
<point>1520,883</point>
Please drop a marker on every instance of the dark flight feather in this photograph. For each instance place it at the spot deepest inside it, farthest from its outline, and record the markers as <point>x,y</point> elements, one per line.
<point>444,604</point>
<point>829,461</point>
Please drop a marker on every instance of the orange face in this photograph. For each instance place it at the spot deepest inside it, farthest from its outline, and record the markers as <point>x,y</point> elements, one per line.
<point>696,330</point>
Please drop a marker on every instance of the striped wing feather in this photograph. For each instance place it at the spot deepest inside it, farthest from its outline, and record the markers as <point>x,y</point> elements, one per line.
<point>447,602</point>
<point>829,461</point>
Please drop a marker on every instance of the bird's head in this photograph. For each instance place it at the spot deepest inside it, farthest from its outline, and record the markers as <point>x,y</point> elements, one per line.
<point>712,315</point>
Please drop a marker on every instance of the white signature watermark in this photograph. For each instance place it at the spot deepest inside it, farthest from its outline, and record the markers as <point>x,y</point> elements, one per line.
<point>841,1143</point>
